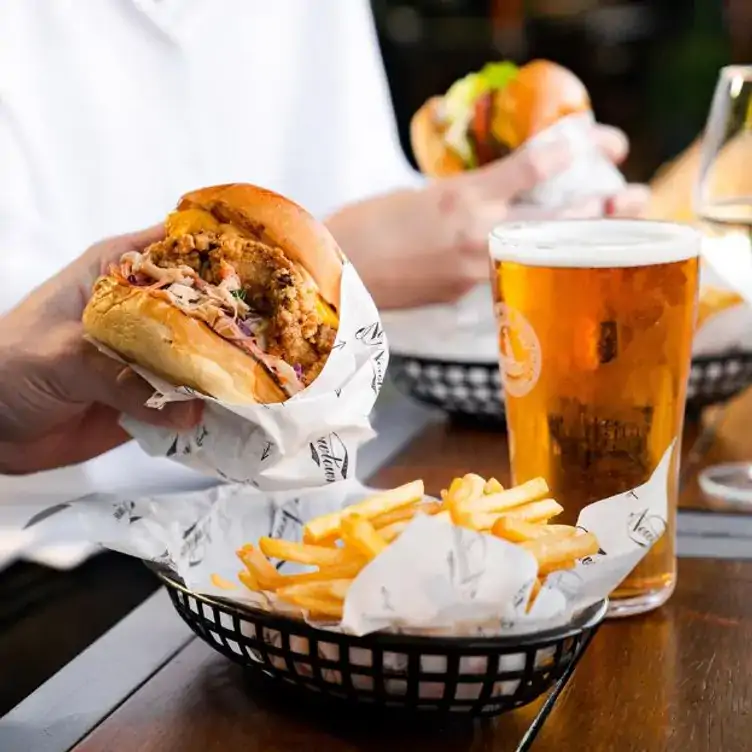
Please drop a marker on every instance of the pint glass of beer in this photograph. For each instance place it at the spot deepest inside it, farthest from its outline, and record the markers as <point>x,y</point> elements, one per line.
<point>595,322</point>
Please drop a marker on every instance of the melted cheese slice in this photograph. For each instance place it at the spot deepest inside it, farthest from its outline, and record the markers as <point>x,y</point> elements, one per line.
<point>190,222</point>
<point>327,313</point>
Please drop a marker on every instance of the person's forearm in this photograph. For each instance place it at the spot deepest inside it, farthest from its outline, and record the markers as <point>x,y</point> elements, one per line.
<point>369,234</point>
<point>390,239</point>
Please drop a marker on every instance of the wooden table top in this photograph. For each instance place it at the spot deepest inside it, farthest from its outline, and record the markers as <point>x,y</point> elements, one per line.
<point>676,679</point>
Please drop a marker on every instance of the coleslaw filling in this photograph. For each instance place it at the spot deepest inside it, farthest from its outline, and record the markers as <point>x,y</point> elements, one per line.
<point>222,307</point>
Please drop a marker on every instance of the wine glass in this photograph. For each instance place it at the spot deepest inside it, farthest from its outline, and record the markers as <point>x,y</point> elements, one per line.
<point>723,202</point>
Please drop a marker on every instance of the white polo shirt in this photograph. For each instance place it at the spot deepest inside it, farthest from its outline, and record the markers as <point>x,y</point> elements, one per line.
<point>111,109</point>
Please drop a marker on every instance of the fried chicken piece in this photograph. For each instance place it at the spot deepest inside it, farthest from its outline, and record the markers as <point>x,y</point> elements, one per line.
<point>274,287</point>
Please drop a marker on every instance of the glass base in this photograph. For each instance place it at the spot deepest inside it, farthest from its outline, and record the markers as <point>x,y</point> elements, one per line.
<point>730,482</point>
<point>619,608</point>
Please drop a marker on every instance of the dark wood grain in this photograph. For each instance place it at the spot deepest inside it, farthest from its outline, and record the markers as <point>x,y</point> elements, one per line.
<point>48,617</point>
<point>202,703</point>
<point>678,679</point>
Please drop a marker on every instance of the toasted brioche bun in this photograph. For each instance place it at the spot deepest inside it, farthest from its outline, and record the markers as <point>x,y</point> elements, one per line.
<point>150,332</point>
<point>539,95</point>
<point>156,335</point>
<point>433,156</point>
<point>276,220</point>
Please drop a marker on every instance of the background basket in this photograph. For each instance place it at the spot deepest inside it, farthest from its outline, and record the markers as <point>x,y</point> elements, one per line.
<point>472,677</point>
<point>472,390</point>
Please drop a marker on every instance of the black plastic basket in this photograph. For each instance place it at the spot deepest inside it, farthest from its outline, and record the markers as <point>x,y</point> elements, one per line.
<point>440,676</point>
<point>473,390</point>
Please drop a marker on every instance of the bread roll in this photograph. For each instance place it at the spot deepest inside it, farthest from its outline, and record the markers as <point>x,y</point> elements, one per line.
<point>530,100</point>
<point>186,325</point>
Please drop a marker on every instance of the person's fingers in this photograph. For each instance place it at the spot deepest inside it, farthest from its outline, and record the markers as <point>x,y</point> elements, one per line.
<point>108,251</point>
<point>633,201</point>
<point>69,291</point>
<point>88,435</point>
<point>104,380</point>
<point>612,141</point>
<point>473,238</point>
<point>507,178</point>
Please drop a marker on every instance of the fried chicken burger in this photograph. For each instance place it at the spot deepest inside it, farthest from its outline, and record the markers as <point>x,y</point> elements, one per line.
<point>487,114</point>
<point>240,301</point>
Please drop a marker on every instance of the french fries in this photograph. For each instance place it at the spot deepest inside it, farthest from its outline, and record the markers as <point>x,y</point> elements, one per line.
<point>492,486</point>
<point>513,497</point>
<point>536,511</point>
<point>328,525</point>
<point>405,513</point>
<point>392,532</point>
<point>534,594</point>
<point>517,530</point>
<point>333,589</point>
<point>359,534</point>
<point>348,569</point>
<point>259,569</point>
<point>556,551</point>
<point>340,545</point>
<point>321,609</point>
<point>303,553</point>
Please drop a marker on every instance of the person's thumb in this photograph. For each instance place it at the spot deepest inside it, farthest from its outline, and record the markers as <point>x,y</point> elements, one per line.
<point>109,382</point>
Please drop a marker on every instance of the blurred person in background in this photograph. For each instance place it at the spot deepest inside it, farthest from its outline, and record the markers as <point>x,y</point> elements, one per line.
<point>109,111</point>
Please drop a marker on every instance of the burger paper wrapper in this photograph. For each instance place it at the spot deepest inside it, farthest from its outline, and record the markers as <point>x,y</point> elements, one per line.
<point>311,439</point>
<point>590,173</point>
<point>435,579</point>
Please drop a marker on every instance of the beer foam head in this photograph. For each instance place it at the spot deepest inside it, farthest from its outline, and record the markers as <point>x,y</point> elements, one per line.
<point>593,243</point>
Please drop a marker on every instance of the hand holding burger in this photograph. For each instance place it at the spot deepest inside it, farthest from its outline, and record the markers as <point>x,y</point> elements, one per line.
<point>237,296</point>
<point>239,301</point>
<point>430,245</point>
<point>60,399</point>
<point>487,115</point>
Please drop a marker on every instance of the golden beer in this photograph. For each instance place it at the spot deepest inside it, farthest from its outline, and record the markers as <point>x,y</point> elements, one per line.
<point>595,334</point>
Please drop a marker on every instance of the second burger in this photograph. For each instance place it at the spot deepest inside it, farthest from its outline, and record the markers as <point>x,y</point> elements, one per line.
<point>487,114</point>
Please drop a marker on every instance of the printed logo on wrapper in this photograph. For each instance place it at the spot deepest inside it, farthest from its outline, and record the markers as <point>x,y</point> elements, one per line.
<point>519,351</point>
<point>371,335</point>
<point>126,509</point>
<point>644,528</point>
<point>184,444</point>
<point>331,455</point>
<point>196,539</point>
<point>465,561</point>
<point>378,364</point>
<point>568,581</point>
<point>287,523</point>
<point>266,451</point>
